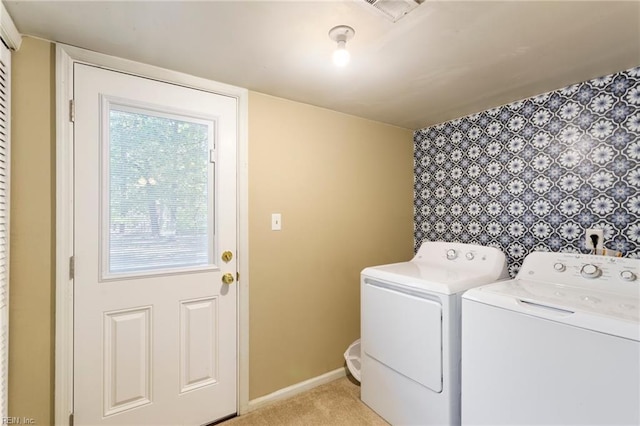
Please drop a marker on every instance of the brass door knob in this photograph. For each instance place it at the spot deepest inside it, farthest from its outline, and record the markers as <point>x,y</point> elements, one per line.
<point>227,256</point>
<point>227,278</point>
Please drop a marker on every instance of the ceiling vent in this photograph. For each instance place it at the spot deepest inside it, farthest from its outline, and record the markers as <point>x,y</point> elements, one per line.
<point>394,9</point>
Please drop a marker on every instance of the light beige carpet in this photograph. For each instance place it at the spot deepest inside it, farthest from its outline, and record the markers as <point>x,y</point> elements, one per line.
<point>335,403</point>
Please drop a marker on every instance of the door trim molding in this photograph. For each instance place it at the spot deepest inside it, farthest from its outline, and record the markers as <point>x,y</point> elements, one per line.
<point>66,57</point>
<point>8,31</point>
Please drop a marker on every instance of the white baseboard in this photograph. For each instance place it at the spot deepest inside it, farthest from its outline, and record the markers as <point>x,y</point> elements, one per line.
<point>292,390</point>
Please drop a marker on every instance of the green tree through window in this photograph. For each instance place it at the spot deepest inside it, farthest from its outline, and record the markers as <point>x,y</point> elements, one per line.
<point>159,192</point>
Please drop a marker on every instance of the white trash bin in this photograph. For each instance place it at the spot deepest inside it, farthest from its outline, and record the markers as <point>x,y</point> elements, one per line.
<point>352,357</point>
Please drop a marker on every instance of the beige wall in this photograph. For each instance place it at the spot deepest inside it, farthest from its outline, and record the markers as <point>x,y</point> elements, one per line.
<point>31,333</point>
<point>342,184</point>
<point>344,187</point>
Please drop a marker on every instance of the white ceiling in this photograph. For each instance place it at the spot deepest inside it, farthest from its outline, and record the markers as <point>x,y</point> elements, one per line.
<point>444,60</point>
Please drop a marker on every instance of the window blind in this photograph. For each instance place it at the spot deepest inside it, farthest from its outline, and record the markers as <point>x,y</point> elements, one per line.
<point>5,133</point>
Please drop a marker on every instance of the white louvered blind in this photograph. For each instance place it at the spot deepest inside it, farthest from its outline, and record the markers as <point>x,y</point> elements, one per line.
<point>5,133</point>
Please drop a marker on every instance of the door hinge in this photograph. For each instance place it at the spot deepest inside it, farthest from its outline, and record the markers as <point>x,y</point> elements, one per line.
<point>72,111</point>
<point>72,267</point>
<point>212,155</point>
<point>71,419</point>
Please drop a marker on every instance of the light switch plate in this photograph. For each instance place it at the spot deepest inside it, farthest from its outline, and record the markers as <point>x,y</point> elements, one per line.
<point>276,221</point>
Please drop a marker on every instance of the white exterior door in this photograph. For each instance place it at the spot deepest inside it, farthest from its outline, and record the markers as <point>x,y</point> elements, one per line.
<point>155,336</point>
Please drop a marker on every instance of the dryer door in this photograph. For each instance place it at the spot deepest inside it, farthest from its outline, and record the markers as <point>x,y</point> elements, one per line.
<point>403,331</point>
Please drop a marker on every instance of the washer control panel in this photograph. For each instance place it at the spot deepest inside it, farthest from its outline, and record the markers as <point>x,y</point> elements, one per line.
<point>452,254</point>
<point>628,275</point>
<point>569,268</point>
<point>560,267</point>
<point>468,254</point>
<point>590,270</point>
<point>462,258</point>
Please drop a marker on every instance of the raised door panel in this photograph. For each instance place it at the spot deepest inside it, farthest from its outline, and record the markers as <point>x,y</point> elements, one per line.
<point>127,360</point>
<point>198,343</point>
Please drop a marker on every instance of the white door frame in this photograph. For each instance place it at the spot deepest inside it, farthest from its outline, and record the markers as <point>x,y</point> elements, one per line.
<point>66,56</point>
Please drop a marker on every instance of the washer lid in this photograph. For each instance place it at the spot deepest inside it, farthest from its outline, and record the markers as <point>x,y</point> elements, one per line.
<point>616,313</point>
<point>445,280</point>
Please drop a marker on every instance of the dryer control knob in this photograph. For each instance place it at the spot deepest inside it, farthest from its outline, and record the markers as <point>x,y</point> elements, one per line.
<point>590,271</point>
<point>559,267</point>
<point>628,276</point>
<point>469,256</point>
<point>451,254</point>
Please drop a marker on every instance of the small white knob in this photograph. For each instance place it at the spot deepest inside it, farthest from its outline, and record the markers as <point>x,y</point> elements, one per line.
<point>451,254</point>
<point>590,271</point>
<point>469,256</point>
<point>628,276</point>
<point>559,267</point>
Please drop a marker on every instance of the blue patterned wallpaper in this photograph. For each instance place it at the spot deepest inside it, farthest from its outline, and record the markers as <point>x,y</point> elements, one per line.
<point>535,174</point>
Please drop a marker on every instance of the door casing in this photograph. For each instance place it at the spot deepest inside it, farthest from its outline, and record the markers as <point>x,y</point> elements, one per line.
<point>66,56</point>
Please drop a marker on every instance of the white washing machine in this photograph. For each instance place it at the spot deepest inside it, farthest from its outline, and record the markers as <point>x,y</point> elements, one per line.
<point>410,341</point>
<point>557,345</point>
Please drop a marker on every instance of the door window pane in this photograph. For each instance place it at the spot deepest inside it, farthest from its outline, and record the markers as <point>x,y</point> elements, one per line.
<point>159,192</point>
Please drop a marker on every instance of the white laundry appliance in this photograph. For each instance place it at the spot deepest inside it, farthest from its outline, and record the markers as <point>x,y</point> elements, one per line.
<point>559,344</point>
<point>410,337</point>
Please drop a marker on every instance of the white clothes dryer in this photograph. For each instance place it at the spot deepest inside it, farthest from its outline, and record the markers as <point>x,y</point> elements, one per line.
<point>559,344</point>
<point>410,340</point>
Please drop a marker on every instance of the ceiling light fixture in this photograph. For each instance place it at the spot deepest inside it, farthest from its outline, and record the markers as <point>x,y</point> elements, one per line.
<point>341,34</point>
